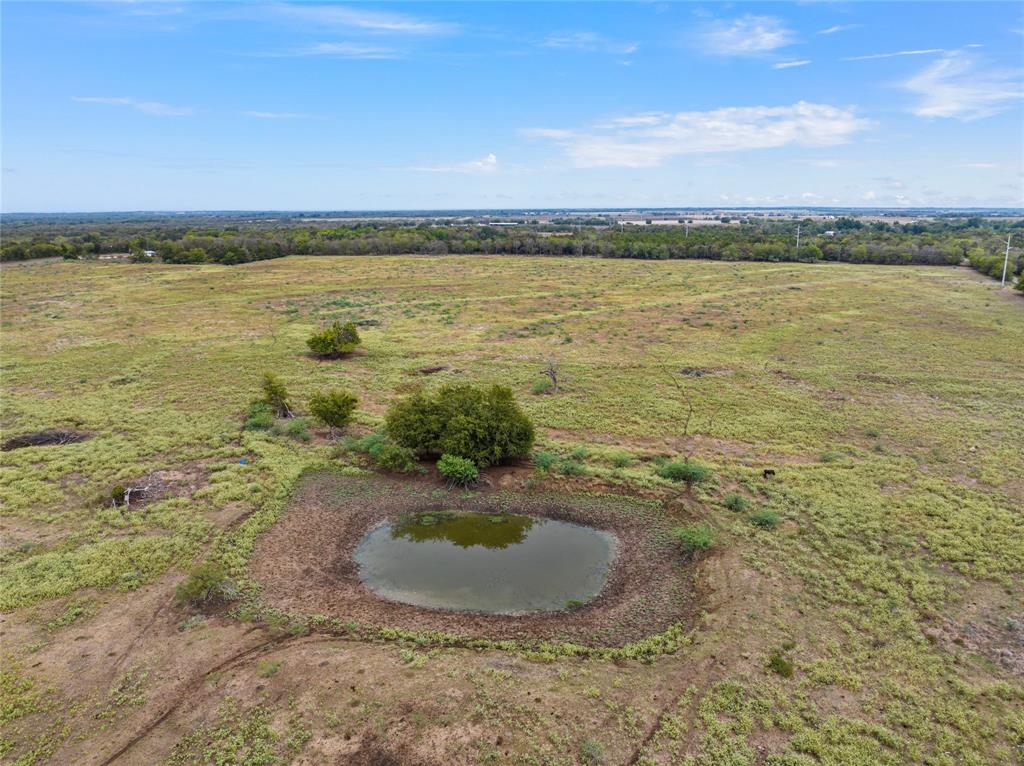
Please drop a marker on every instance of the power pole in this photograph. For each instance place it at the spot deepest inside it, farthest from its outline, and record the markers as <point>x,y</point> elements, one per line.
<point>1006,259</point>
<point>798,241</point>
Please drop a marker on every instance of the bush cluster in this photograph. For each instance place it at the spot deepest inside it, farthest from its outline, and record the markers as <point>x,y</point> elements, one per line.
<point>695,537</point>
<point>385,454</point>
<point>484,425</point>
<point>334,341</point>
<point>683,470</point>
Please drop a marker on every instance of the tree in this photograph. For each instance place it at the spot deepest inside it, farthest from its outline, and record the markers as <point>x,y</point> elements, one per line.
<point>337,340</point>
<point>333,408</point>
<point>484,425</point>
<point>551,371</point>
<point>276,395</point>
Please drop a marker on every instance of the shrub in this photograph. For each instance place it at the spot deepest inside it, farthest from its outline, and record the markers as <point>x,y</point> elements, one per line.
<point>458,470</point>
<point>484,425</point>
<point>542,386</point>
<point>276,395</point>
<point>695,537</point>
<point>117,494</point>
<point>298,429</point>
<point>683,470</point>
<point>392,457</point>
<point>260,416</point>
<point>544,460</point>
<point>337,340</point>
<point>333,408</point>
<point>874,433</point>
<point>736,502</point>
<point>206,583</point>
<point>765,519</point>
<point>622,460</point>
<point>591,753</point>
<point>572,468</point>
<point>780,664</point>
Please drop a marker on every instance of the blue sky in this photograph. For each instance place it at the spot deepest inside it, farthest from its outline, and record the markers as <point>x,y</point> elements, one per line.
<point>168,105</point>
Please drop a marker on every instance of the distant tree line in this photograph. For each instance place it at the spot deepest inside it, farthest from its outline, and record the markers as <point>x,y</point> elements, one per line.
<point>951,241</point>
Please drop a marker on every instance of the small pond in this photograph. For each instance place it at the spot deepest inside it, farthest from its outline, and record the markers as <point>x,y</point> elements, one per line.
<point>504,564</point>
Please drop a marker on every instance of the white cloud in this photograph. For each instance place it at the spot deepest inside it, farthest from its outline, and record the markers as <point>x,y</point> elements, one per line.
<point>647,143</point>
<point>747,35</point>
<point>820,162</point>
<point>361,18</point>
<point>979,165</point>
<point>344,50</point>
<point>791,64</point>
<point>148,107</point>
<point>837,28</point>
<point>275,115</point>
<point>487,164</point>
<point>590,42</point>
<point>894,54</point>
<point>957,86</point>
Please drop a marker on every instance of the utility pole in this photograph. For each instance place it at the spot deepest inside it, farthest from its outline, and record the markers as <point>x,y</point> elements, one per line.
<point>1006,259</point>
<point>798,241</point>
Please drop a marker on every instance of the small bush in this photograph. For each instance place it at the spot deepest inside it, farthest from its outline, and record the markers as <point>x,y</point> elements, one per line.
<point>874,433</point>
<point>778,663</point>
<point>458,470</point>
<point>622,460</point>
<point>542,386</point>
<point>572,468</point>
<point>392,457</point>
<point>205,584</point>
<point>276,395</point>
<point>370,445</point>
<point>337,340</point>
<point>297,428</point>
<point>695,537</point>
<point>544,460</point>
<point>591,753</point>
<point>484,425</point>
<point>683,470</point>
<point>260,417</point>
<point>831,457</point>
<point>333,408</point>
<point>579,453</point>
<point>736,502</point>
<point>765,519</point>
<point>117,494</point>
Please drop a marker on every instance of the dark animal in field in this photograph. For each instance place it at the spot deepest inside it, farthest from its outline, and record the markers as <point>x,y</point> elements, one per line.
<point>768,473</point>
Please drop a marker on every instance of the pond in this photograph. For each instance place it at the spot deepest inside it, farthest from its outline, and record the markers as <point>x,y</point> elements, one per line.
<point>503,564</point>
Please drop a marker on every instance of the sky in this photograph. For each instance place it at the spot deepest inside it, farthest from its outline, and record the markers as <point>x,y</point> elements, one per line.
<point>315,106</point>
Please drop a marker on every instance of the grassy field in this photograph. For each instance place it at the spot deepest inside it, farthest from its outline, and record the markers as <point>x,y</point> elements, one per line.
<point>881,622</point>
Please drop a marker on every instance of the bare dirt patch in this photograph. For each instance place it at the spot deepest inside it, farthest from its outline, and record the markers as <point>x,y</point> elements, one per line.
<point>48,438</point>
<point>304,564</point>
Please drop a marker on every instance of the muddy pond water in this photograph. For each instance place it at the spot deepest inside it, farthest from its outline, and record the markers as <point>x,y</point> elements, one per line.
<point>504,564</point>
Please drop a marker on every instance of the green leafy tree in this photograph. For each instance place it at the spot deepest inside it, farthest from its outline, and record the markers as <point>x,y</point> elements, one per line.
<point>333,408</point>
<point>484,425</point>
<point>337,340</point>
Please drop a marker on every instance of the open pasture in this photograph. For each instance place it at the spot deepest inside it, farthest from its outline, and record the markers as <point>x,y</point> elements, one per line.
<point>879,619</point>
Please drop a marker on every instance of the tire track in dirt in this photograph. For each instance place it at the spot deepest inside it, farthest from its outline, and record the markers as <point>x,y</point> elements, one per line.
<point>191,686</point>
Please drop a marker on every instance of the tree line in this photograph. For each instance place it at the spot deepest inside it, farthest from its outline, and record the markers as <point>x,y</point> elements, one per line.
<point>946,241</point>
